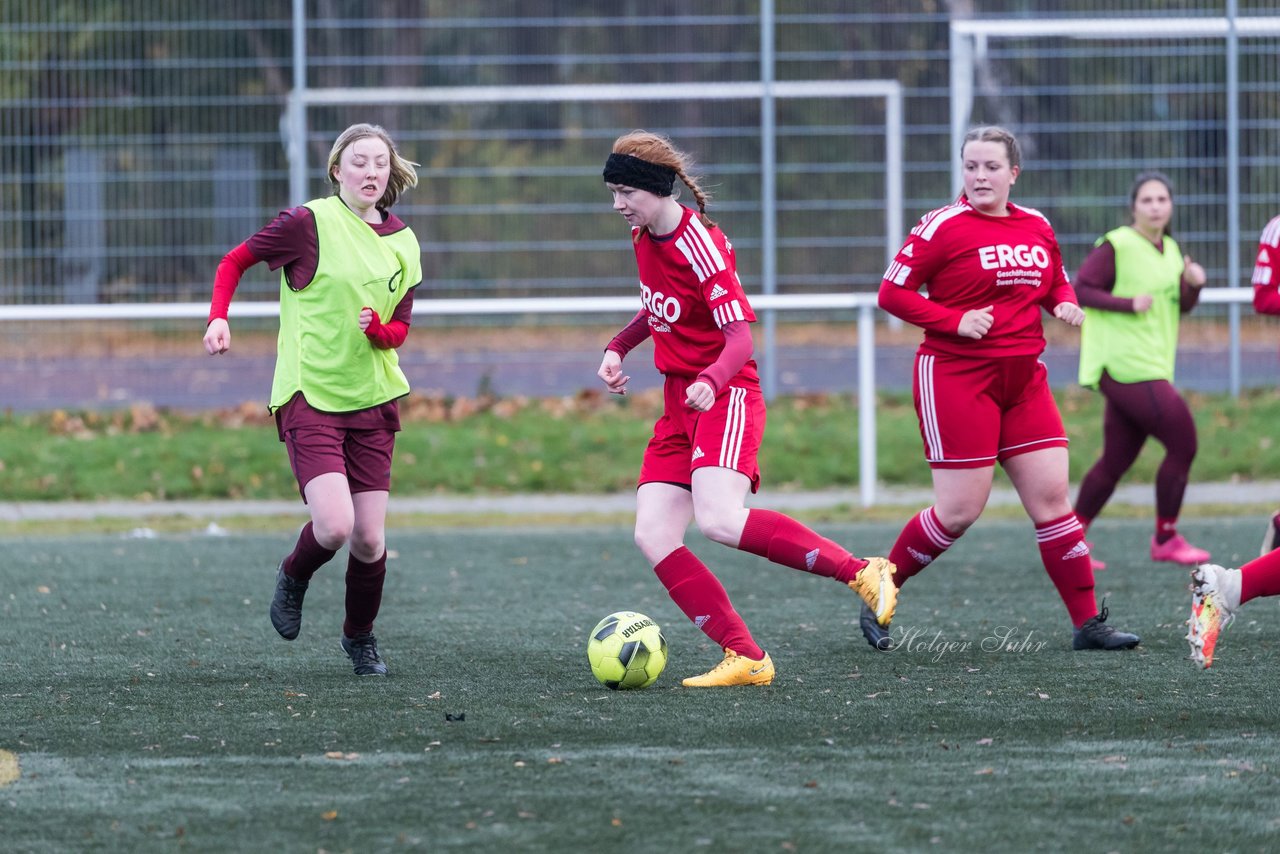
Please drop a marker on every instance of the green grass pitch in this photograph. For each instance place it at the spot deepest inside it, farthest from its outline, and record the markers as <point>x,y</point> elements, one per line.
<point>147,704</point>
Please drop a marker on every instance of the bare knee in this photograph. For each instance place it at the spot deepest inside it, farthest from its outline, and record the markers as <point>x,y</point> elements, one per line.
<point>332,529</point>
<point>958,517</point>
<point>723,528</point>
<point>367,546</point>
<point>656,543</point>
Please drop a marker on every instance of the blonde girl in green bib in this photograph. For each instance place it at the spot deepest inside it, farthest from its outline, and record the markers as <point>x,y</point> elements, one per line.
<point>348,272</point>
<point>1136,284</point>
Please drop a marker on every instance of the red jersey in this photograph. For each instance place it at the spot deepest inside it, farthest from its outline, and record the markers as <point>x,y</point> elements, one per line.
<point>1266,270</point>
<point>969,260</point>
<point>689,286</point>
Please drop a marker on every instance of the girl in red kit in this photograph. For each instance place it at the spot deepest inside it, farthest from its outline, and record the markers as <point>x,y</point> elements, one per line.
<point>702,458</point>
<point>1266,300</point>
<point>346,299</point>
<point>1217,592</point>
<point>981,392</point>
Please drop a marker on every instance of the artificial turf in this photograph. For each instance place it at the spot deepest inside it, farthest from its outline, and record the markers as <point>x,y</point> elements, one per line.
<point>148,704</point>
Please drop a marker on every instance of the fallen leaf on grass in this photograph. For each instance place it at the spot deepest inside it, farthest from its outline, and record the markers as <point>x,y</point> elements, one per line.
<point>338,754</point>
<point>330,815</point>
<point>986,741</point>
<point>984,771</point>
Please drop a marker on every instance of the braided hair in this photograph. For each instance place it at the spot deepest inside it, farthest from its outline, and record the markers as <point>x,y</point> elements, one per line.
<point>655,148</point>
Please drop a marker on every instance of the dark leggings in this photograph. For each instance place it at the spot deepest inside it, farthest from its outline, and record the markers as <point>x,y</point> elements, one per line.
<point>1134,412</point>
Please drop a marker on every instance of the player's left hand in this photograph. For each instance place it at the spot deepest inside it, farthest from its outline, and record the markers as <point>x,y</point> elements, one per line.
<point>699,396</point>
<point>1069,313</point>
<point>366,318</point>
<point>1192,273</point>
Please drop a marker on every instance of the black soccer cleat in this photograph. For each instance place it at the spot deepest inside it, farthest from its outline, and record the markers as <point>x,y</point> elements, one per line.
<point>877,635</point>
<point>286,604</point>
<point>363,650</point>
<point>1096,634</point>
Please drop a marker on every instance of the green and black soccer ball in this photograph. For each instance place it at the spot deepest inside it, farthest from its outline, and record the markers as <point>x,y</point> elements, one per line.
<point>626,650</point>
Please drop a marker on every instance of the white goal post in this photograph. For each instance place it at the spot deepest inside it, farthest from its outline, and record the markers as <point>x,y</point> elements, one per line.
<point>765,92</point>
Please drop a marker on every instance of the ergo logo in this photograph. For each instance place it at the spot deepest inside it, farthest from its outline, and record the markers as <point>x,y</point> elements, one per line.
<point>668,308</point>
<point>1004,255</point>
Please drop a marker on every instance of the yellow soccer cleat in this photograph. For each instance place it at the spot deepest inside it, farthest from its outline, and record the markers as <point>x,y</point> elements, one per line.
<point>874,583</point>
<point>734,670</point>
<point>1212,609</point>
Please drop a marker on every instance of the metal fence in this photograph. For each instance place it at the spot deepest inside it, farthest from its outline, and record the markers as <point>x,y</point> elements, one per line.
<point>141,140</point>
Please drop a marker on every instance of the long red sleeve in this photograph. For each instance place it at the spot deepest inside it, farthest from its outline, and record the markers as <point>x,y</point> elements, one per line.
<point>389,335</point>
<point>738,347</point>
<point>227,277</point>
<point>1266,299</point>
<point>633,334</point>
<point>912,307</point>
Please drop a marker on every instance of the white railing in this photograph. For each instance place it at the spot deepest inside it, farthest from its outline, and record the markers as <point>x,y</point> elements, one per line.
<point>864,304</point>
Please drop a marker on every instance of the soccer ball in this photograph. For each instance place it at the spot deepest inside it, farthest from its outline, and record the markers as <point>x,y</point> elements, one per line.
<point>626,650</point>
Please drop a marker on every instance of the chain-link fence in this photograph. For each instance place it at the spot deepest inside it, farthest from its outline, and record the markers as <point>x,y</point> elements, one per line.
<point>142,140</point>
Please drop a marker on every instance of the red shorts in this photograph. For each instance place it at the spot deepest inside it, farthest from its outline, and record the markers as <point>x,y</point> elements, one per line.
<point>726,435</point>
<point>364,456</point>
<point>975,412</point>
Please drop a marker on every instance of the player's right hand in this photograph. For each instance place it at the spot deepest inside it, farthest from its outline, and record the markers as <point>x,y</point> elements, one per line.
<point>1141,303</point>
<point>217,338</point>
<point>611,372</point>
<point>976,322</point>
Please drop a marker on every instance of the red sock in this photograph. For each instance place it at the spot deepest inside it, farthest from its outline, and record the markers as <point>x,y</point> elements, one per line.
<point>702,598</point>
<point>364,594</point>
<point>785,541</point>
<point>1260,577</point>
<point>1066,559</point>
<point>1166,529</point>
<point>921,541</point>
<point>1085,522</point>
<point>307,556</point>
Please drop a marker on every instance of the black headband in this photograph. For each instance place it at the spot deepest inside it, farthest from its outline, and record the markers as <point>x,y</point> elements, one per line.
<point>641,174</point>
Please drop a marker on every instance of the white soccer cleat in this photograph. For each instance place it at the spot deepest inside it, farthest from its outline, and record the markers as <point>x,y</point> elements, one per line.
<point>1215,596</point>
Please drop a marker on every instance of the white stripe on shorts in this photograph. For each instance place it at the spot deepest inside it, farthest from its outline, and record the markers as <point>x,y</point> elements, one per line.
<point>928,410</point>
<point>734,428</point>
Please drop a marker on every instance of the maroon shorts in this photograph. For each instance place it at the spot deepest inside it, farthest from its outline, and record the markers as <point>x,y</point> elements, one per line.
<point>975,412</point>
<point>364,456</point>
<point>727,435</point>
